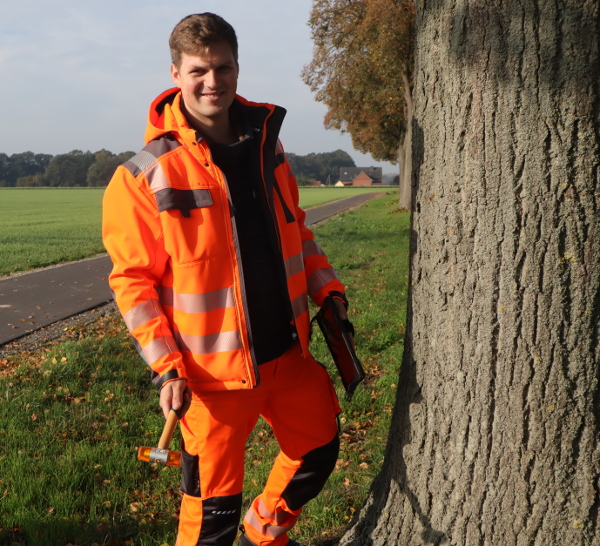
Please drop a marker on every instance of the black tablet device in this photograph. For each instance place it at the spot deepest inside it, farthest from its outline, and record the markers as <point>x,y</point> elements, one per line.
<point>341,348</point>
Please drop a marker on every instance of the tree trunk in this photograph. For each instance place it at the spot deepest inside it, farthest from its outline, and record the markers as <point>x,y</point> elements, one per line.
<point>495,438</point>
<point>405,149</point>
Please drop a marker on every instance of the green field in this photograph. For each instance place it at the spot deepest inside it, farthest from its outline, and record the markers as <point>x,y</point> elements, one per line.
<point>40,227</point>
<point>73,415</point>
<point>44,226</point>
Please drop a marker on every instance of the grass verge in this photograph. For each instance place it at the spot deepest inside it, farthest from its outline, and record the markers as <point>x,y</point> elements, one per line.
<point>73,415</point>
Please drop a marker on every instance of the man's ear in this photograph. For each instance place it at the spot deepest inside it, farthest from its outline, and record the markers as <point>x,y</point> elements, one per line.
<point>175,75</point>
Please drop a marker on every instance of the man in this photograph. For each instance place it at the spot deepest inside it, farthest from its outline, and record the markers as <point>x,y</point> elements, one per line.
<point>212,268</point>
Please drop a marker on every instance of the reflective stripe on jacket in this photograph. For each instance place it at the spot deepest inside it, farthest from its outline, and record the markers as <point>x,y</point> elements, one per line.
<point>168,228</point>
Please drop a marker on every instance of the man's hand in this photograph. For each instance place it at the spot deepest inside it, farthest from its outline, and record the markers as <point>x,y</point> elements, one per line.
<point>177,395</point>
<point>344,316</point>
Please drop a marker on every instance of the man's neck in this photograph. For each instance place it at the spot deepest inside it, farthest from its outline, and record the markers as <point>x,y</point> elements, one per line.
<point>221,134</point>
<point>222,130</point>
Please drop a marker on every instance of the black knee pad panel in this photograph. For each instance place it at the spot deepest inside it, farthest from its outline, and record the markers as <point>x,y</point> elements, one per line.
<point>220,520</point>
<point>310,478</point>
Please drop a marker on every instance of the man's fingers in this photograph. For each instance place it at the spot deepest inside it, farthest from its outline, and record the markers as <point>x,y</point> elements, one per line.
<point>187,402</point>
<point>176,395</point>
<point>176,400</point>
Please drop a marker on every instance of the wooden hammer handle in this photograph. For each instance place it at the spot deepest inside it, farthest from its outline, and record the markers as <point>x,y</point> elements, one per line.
<point>167,433</point>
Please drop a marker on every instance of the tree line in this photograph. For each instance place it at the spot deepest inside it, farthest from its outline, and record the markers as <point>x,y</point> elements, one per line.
<point>87,169</point>
<point>73,169</point>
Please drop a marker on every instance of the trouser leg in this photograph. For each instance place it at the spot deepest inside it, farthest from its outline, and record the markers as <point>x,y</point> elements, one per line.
<point>290,486</point>
<point>302,410</point>
<point>214,432</point>
<point>209,522</point>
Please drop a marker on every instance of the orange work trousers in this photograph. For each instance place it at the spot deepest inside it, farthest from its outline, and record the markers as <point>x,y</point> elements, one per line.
<point>297,399</point>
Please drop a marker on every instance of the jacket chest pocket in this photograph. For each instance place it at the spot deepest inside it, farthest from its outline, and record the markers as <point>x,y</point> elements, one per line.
<point>183,200</point>
<point>185,218</point>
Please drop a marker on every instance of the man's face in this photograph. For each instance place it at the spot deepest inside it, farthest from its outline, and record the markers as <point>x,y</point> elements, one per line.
<point>208,84</point>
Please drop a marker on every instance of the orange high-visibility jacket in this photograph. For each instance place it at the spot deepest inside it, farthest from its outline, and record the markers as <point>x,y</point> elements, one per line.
<point>169,230</point>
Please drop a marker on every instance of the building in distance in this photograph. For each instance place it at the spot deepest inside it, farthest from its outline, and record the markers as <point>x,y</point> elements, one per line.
<point>360,176</point>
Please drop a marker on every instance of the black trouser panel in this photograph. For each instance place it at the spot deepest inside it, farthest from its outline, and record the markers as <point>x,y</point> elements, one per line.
<point>310,478</point>
<point>220,520</point>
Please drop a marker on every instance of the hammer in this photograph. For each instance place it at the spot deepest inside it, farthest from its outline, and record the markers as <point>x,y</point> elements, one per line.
<point>161,453</point>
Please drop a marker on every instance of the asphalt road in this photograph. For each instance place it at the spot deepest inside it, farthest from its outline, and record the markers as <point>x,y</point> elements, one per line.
<point>34,300</point>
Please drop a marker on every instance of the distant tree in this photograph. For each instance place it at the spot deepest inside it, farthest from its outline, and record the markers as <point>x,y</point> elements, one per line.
<point>29,164</point>
<point>31,181</point>
<point>362,71</point>
<point>105,163</point>
<point>5,173</point>
<point>301,172</point>
<point>69,169</point>
<point>322,166</point>
<point>21,165</point>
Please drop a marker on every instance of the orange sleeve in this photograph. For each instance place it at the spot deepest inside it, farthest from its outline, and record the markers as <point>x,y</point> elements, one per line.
<point>132,235</point>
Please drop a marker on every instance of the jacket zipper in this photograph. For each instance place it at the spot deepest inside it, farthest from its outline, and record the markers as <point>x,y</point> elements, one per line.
<point>275,227</point>
<point>236,245</point>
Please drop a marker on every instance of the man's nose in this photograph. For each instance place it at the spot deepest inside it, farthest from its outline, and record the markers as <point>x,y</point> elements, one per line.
<point>210,79</point>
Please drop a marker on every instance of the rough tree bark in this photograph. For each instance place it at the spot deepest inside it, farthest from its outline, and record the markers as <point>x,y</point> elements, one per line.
<point>495,438</point>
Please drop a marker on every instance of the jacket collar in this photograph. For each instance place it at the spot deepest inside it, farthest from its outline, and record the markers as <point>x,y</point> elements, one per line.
<point>166,116</point>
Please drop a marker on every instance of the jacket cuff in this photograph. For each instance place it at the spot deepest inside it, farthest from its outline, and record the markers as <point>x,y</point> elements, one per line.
<point>339,296</point>
<point>161,380</point>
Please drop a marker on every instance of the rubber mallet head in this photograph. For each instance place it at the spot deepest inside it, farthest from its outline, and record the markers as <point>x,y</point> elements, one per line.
<point>161,453</point>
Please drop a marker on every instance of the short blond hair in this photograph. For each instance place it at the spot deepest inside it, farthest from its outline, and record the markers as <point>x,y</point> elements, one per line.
<point>194,34</point>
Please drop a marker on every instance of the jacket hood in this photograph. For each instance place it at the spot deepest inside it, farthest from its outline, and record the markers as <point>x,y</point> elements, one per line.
<point>166,116</point>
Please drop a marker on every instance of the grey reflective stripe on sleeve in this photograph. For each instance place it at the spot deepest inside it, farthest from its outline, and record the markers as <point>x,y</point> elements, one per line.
<point>311,247</point>
<point>300,305</point>
<point>159,348</point>
<point>220,342</point>
<point>139,162</point>
<point>156,351</point>
<point>294,264</point>
<point>140,314</point>
<point>197,303</point>
<point>146,161</point>
<point>156,178</point>
<point>139,349</point>
<point>320,278</point>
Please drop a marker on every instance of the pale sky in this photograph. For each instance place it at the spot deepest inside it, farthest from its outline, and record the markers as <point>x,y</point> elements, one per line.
<point>81,75</point>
